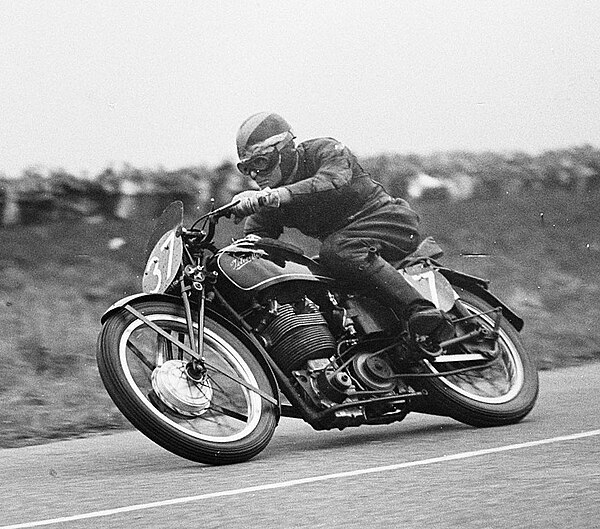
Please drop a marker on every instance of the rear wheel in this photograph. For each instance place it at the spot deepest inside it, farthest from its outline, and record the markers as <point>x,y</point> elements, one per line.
<point>493,392</point>
<point>205,417</point>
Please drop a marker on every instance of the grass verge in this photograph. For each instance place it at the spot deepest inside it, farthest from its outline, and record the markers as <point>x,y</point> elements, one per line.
<point>540,250</point>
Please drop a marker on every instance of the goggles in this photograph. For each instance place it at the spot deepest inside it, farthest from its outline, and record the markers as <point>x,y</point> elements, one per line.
<point>267,154</point>
<point>261,163</point>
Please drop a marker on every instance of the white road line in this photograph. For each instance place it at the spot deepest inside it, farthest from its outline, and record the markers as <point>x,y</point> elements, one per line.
<point>303,481</point>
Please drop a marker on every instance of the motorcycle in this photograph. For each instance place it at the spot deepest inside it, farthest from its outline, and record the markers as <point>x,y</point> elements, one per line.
<point>222,342</point>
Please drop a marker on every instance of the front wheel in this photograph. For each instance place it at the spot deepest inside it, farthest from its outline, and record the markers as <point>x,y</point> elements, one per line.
<point>492,393</point>
<point>208,418</point>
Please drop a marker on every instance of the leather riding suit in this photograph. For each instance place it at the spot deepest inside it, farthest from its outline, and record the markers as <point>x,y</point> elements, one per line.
<point>360,225</point>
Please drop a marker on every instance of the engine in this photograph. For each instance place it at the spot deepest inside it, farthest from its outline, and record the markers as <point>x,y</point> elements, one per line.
<point>296,333</point>
<point>300,341</point>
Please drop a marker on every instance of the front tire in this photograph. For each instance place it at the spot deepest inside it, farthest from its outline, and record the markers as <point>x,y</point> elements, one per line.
<point>503,393</point>
<point>221,422</point>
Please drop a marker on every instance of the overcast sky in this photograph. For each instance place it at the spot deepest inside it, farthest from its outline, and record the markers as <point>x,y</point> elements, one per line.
<point>86,85</point>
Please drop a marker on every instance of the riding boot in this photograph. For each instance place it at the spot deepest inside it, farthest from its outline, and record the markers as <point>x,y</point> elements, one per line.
<point>423,318</point>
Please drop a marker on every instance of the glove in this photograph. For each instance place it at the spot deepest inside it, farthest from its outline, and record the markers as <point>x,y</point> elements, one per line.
<point>252,201</point>
<point>247,204</point>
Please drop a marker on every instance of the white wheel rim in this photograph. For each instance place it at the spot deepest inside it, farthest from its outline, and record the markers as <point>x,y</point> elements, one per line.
<point>237,363</point>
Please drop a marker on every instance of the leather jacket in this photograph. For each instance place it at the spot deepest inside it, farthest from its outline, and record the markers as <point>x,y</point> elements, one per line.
<point>329,189</point>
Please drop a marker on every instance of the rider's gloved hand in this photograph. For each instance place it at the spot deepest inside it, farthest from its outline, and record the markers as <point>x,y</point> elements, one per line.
<point>247,203</point>
<point>252,201</point>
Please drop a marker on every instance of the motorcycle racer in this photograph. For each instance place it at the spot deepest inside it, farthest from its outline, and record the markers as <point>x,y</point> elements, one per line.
<point>319,187</point>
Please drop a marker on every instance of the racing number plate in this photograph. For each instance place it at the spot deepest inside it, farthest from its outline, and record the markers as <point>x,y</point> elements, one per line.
<point>163,263</point>
<point>432,285</point>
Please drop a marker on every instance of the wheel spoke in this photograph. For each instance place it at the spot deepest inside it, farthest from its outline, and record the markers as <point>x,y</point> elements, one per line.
<point>224,408</point>
<point>181,337</point>
<point>230,413</point>
<point>163,350</point>
<point>132,347</point>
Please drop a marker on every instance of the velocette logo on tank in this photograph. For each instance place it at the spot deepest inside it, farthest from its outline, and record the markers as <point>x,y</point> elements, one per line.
<point>238,262</point>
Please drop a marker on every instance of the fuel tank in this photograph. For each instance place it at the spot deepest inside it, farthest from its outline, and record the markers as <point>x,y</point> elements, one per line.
<point>252,266</point>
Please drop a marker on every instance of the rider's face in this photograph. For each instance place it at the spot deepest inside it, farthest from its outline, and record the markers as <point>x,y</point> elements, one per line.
<point>270,179</point>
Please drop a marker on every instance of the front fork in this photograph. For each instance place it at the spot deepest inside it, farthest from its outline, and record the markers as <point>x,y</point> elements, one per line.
<point>198,365</point>
<point>196,368</point>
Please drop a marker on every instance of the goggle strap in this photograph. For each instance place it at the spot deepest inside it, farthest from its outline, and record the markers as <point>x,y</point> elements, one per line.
<point>276,142</point>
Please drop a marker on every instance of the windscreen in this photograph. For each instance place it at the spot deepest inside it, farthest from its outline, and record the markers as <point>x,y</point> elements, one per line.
<point>169,219</point>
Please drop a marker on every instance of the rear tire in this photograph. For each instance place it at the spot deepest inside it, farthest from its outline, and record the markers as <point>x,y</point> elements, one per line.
<point>501,394</point>
<point>237,423</point>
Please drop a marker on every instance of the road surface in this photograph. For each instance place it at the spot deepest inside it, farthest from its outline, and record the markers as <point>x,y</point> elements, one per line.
<point>423,472</point>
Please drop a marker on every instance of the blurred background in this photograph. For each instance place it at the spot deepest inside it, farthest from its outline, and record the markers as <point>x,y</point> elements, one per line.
<point>483,114</point>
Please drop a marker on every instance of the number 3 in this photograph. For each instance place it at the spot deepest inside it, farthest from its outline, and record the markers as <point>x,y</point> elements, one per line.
<point>154,264</point>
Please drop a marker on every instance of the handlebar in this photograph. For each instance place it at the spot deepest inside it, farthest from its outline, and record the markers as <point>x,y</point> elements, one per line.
<point>213,217</point>
<point>223,211</point>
